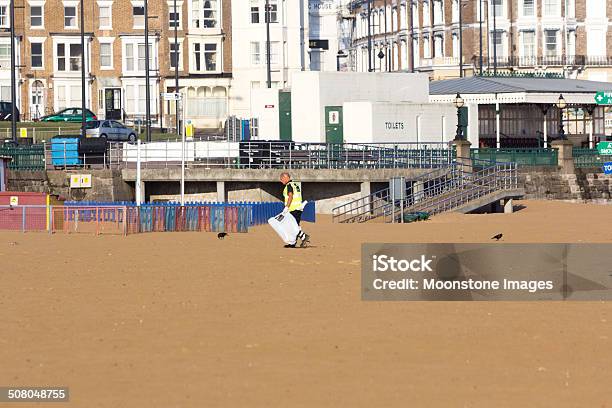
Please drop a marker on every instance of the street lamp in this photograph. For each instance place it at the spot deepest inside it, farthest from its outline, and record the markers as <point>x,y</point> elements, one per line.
<point>459,102</point>
<point>341,54</point>
<point>561,104</point>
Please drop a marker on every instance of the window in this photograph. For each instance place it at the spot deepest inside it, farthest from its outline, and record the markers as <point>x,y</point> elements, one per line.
<point>550,40</point>
<point>426,47</point>
<point>36,16</point>
<point>438,46</point>
<point>254,12</point>
<point>551,7</point>
<point>570,7</point>
<point>105,17</point>
<point>205,13</point>
<point>455,10</point>
<point>438,11</point>
<point>135,97</point>
<point>497,8</point>
<point>529,44</point>
<point>274,52</point>
<point>70,17</point>
<point>142,57</point>
<point>36,52</point>
<point>455,45</point>
<point>129,57</point>
<point>106,55</point>
<point>68,57</point>
<point>571,43</point>
<point>210,14</point>
<point>4,17</point>
<point>139,17</point>
<point>528,8</point>
<point>497,38</point>
<point>174,19</point>
<point>5,55</point>
<point>175,55</point>
<point>255,53</point>
<point>272,12</point>
<point>205,57</point>
<point>134,57</point>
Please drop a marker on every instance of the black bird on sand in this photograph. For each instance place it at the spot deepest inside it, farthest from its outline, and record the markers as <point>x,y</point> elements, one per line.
<point>221,235</point>
<point>497,237</point>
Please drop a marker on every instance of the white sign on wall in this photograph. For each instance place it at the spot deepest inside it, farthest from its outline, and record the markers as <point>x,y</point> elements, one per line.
<point>80,181</point>
<point>334,117</point>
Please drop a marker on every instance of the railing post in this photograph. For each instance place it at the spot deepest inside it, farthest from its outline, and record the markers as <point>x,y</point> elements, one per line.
<point>23,218</point>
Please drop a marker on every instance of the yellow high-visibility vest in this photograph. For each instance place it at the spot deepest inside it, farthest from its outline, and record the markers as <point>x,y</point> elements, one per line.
<point>296,203</point>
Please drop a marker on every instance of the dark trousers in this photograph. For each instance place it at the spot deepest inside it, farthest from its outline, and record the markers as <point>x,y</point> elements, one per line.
<point>297,214</point>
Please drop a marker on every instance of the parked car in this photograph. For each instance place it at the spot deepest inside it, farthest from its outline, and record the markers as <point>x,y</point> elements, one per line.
<point>69,115</point>
<point>6,110</point>
<point>110,130</point>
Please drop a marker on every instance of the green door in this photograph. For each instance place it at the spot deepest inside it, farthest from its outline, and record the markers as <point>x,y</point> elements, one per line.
<point>463,121</point>
<point>284,115</point>
<point>333,124</point>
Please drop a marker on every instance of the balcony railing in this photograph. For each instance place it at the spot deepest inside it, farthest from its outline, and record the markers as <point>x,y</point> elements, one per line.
<point>439,61</point>
<point>552,60</point>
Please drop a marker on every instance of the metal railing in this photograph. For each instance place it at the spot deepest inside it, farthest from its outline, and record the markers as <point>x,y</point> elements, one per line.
<point>554,60</point>
<point>522,157</point>
<point>24,157</point>
<point>440,190</point>
<point>467,188</point>
<point>589,158</point>
<point>260,155</point>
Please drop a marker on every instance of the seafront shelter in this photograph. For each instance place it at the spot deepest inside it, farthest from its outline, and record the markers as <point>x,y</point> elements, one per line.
<point>526,112</point>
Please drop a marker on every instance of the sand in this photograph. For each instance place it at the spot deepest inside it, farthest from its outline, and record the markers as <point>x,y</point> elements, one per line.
<point>187,320</point>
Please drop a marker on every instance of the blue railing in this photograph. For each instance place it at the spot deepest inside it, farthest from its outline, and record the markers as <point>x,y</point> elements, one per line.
<point>259,214</point>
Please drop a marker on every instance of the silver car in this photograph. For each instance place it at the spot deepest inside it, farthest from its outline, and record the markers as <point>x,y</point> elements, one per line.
<point>110,130</point>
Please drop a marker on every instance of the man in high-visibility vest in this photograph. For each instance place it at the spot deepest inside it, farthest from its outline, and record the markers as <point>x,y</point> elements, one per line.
<point>292,194</point>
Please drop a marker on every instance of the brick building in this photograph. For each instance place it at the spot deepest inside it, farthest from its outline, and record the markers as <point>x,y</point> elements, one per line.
<point>49,57</point>
<point>571,37</point>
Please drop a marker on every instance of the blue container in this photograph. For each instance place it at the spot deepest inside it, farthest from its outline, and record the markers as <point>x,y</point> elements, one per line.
<point>65,151</point>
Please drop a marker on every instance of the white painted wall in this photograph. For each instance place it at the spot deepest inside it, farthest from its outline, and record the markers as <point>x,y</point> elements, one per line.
<point>264,106</point>
<point>291,34</point>
<point>383,122</point>
<point>312,91</point>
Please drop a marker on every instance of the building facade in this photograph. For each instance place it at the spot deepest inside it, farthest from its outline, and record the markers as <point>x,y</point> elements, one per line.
<point>288,47</point>
<point>326,23</point>
<point>568,37</point>
<point>49,58</point>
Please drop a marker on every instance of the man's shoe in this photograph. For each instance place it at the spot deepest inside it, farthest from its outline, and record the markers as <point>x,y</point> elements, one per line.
<point>290,246</point>
<point>305,240</point>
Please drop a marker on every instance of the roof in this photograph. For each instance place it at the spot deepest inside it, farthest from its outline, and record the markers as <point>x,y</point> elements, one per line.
<point>489,85</point>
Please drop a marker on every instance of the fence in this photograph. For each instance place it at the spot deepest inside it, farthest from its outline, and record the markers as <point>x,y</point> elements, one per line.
<point>589,158</point>
<point>92,220</point>
<point>123,220</point>
<point>43,133</point>
<point>522,157</point>
<point>24,218</point>
<point>258,212</point>
<point>25,157</point>
<point>284,155</point>
<point>183,218</point>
